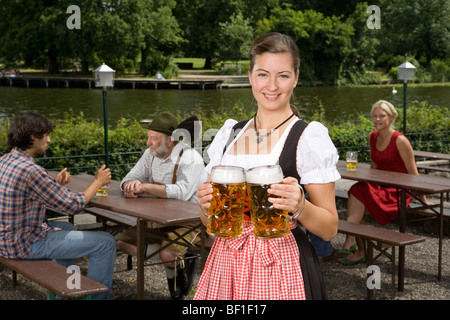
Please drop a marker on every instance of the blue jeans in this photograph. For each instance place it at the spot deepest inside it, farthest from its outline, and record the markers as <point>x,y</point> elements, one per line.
<point>68,244</point>
<point>323,248</point>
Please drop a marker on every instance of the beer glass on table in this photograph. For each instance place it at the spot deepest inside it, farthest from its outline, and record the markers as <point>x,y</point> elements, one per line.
<point>226,213</point>
<point>352,160</point>
<point>102,191</point>
<point>268,221</point>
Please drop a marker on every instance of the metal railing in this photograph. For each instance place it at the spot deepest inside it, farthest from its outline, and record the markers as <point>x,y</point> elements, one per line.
<point>440,144</point>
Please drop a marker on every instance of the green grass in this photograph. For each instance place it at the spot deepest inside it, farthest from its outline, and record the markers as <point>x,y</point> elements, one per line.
<point>198,63</point>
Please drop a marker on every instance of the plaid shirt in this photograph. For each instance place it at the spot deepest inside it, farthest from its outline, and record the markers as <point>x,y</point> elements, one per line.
<point>26,190</point>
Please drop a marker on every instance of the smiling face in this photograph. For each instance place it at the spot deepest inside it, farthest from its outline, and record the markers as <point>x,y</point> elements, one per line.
<point>381,119</point>
<point>273,79</point>
<point>383,114</point>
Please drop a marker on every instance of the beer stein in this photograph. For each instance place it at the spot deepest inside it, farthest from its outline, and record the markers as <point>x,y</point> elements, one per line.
<point>226,213</point>
<point>268,221</point>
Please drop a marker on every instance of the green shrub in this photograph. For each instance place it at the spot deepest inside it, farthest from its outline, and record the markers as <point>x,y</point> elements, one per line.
<point>78,143</point>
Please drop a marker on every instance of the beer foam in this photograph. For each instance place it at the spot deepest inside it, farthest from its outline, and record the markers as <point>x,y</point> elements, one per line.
<point>222,175</point>
<point>264,175</point>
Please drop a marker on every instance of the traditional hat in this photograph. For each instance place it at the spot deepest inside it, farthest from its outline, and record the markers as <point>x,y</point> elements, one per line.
<point>165,122</point>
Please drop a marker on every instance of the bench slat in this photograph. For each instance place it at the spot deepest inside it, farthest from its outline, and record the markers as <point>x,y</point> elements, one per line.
<point>341,194</point>
<point>432,168</point>
<point>378,234</point>
<point>414,208</point>
<point>53,277</point>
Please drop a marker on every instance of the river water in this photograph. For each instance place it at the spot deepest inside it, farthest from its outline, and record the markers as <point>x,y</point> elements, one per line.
<point>340,103</point>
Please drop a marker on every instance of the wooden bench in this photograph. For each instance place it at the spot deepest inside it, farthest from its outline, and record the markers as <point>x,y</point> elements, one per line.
<point>427,168</point>
<point>124,220</point>
<point>417,208</point>
<point>131,250</point>
<point>53,277</point>
<point>380,239</point>
<point>341,194</point>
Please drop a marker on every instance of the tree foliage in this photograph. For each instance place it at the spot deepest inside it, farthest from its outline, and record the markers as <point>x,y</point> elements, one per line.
<point>336,45</point>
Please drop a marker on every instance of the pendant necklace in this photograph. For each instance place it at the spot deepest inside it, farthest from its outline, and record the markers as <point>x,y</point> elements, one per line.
<point>259,137</point>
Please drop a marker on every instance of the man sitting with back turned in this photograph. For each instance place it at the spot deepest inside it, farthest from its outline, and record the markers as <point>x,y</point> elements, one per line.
<point>167,169</point>
<point>26,190</point>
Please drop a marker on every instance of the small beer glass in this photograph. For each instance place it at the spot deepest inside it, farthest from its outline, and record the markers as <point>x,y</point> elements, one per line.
<point>226,213</point>
<point>102,191</point>
<point>351,158</point>
<point>268,221</point>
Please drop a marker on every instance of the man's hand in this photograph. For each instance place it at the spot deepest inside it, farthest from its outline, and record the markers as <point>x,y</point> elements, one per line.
<point>63,177</point>
<point>132,188</point>
<point>103,176</point>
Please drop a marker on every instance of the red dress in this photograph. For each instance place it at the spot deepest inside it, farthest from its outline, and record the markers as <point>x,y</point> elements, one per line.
<point>382,202</point>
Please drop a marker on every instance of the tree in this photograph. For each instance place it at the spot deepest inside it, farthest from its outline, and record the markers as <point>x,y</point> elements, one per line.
<point>235,38</point>
<point>364,44</point>
<point>200,20</point>
<point>417,27</point>
<point>112,31</point>
<point>159,34</point>
<point>324,42</point>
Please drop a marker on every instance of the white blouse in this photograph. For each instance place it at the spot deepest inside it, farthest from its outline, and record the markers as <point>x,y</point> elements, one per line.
<point>316,154</point>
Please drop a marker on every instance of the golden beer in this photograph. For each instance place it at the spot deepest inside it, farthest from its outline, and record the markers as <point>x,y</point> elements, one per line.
<point>351,165</point>
<point>352,160</point>
<point>268,222</point>
<point>102,191</point>
<point>226,213</point>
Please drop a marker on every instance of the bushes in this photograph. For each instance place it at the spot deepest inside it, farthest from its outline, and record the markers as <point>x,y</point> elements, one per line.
<point>78,144</point>
<point>428,130</point>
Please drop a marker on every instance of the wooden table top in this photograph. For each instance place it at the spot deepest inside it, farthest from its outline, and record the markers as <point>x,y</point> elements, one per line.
<point>422,182</point>
<point>166,212</point>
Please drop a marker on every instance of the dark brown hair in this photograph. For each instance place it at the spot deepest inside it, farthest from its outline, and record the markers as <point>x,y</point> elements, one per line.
<point>275,42</point>
<point>24,126</point>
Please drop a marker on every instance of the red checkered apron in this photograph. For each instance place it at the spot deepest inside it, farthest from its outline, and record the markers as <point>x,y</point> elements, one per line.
<point>246,268</point>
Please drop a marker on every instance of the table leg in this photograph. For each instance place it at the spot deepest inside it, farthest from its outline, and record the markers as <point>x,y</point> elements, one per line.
<point>401,250</point>
<point>441,234</point>
<point>369,261</point>
<point>140,258</point>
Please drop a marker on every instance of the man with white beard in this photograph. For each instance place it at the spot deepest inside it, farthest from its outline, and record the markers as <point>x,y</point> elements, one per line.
<point>167,169</point>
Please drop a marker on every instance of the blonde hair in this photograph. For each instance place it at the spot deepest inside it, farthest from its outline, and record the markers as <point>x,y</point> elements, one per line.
<point>387,107</point>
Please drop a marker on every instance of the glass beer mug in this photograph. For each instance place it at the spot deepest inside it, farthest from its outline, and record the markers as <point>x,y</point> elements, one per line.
<point>351,160</point>
<point>226,213</point>
<point>268,221</point>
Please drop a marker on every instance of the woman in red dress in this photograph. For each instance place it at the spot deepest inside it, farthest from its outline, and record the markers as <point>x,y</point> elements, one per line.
<point>389,150</point>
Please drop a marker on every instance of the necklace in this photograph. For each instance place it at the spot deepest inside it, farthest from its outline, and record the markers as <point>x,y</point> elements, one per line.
<point>259,137</point>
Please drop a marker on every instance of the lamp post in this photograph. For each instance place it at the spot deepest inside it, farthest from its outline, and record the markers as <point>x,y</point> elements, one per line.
<point>104,77</point>
<point>405,72</point>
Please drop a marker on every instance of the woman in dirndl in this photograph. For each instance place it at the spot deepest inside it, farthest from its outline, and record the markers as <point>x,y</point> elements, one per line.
<point>286,267</point>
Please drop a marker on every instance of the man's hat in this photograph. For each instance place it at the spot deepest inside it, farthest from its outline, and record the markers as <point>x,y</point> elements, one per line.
<point>165,122</point>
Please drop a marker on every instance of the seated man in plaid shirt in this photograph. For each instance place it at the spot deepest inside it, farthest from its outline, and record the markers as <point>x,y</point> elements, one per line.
<point>26,190</point>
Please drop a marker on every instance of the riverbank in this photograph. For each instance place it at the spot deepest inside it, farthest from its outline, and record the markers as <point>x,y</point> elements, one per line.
<point>187,79</point>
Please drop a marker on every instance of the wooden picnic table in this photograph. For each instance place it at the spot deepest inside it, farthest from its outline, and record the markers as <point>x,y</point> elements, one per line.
<point>150,212</point>
<point>423,183</point>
